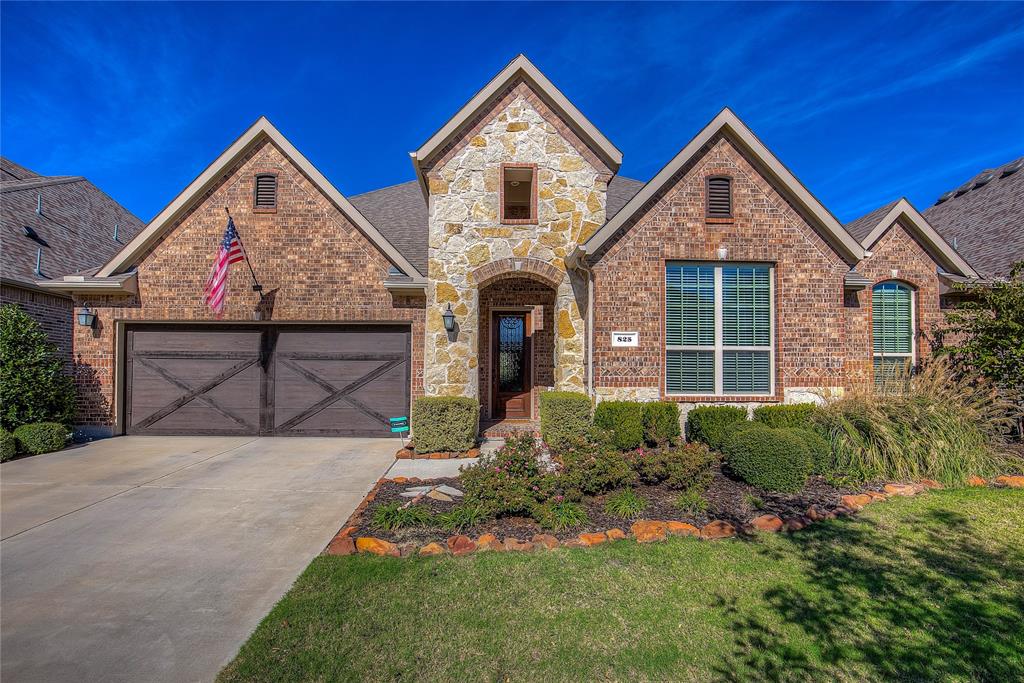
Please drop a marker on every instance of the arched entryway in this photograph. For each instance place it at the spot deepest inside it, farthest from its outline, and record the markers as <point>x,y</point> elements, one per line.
<point>516,302</point>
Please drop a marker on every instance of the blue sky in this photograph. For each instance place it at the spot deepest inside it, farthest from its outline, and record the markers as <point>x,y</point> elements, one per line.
<point>864,102</point>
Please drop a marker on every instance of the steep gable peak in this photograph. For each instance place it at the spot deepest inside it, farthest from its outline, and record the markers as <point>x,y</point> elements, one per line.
<point>523,69</point>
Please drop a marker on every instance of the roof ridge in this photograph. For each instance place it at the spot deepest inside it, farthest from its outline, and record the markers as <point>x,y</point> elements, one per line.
<point>40,181</point>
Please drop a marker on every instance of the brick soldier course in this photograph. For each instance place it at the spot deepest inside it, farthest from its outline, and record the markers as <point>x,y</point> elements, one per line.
<point>590,262</point>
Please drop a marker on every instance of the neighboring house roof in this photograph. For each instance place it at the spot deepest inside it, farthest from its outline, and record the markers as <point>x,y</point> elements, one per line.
<point>877,223</point>
<point>127,257</point>
<point>984,218</point>
<point>524,68</point>
<point>65,222</point>
<point>729,124</point>
<point>12,171</point>
<point>400,213</point>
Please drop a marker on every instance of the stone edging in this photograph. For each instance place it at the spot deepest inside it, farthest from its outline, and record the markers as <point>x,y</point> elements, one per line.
<point>643,531</point>
<point>410,454</point>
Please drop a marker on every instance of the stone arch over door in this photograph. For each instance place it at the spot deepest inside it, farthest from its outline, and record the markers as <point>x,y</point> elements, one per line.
<point>529,268</point>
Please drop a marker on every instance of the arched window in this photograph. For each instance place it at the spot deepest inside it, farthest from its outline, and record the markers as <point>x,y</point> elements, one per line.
<point>892,327</point>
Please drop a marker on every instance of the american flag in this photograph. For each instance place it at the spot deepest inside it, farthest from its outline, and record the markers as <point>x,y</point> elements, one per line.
<point>216,284</point>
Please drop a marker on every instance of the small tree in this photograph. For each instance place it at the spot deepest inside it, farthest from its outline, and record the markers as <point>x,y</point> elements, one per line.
<point>986,333</point>
<point>33,384</point>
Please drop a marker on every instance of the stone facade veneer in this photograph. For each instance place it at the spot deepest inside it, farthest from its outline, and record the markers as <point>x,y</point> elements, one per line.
<point>467,235</point>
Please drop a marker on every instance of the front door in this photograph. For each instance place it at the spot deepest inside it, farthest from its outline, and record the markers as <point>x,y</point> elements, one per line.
<point>510,367</point>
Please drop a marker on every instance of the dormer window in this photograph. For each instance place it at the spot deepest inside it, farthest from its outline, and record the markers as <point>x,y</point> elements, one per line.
<point>518,193</point>
<point>265,193</point>
<point>719,197</point>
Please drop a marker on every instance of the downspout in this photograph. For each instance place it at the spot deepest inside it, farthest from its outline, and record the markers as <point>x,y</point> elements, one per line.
<point>577,261</point>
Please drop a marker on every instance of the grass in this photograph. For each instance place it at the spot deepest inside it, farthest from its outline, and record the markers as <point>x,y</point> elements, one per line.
<point>925,589</point>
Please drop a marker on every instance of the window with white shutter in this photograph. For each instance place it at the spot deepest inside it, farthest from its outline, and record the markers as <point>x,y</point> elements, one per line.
<point>892,329</point>
<point>719,329</point>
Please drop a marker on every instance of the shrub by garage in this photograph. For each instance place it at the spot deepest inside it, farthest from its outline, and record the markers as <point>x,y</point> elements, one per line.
<point>41,437</point>
<point>445,423</point>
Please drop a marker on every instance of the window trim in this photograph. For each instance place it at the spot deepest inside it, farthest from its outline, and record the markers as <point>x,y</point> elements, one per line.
<point>912,356</point>
<point>719,347</point>
<point>707,198</point>
<point>533,219</point>
<point>255,184</point>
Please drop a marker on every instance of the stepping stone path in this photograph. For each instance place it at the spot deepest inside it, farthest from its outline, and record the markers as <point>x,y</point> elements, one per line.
<point>447,492</point>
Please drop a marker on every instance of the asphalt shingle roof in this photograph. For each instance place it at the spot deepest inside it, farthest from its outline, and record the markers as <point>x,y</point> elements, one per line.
<point>400,213</point>
<point>863,226</point>
<point>75,229</point>
<point>986,222</point>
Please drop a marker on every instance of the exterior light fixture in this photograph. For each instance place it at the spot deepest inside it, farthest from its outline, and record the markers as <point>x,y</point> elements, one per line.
<point>723,253</point>
<point>449,319</point>
<point>86,317</point>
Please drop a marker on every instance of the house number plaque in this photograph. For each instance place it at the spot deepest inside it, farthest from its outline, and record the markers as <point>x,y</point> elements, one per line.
<point>625,339</point>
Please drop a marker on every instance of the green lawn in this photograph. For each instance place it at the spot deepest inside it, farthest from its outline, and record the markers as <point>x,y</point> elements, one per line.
<point>926,588</point>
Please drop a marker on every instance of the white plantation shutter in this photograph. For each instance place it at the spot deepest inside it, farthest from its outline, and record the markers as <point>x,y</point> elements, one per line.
<point>892,328</point>
<point>718,329</point>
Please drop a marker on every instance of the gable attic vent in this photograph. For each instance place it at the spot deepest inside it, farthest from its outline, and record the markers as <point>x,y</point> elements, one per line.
<point>719,197</point>
<point>265,196</point>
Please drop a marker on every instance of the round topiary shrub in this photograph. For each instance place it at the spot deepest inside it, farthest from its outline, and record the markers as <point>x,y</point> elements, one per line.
<point>818,447</point>
<point>770,459</point>
<point>8,445</point>
<point>41,437</point>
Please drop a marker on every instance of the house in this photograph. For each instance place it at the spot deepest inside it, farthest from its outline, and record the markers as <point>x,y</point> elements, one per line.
<point>54,225</point>
<point>984,218</point>
<point>518,260</point>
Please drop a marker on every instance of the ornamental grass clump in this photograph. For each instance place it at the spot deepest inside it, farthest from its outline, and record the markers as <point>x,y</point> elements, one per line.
<point>625,504</point>
<point>394,516</point>
<point>931,425</point>
<point>560,515</point>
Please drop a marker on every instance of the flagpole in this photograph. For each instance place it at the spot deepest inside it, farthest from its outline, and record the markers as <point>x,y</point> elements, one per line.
<point>256,286</point>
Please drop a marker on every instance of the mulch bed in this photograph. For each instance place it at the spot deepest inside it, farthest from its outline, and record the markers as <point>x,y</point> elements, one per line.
<point>728,499</point>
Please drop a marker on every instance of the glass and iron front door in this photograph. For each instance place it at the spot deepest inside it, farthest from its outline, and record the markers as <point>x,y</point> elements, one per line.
<point>510,365</point>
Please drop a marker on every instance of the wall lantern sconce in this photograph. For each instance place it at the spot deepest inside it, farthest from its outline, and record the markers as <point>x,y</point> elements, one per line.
<point>449,319</point>
<point>86,317</point>
<point>723,253</point>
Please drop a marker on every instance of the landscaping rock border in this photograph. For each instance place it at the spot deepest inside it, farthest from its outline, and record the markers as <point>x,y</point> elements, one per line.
<point>643,530</point>
<point>408,453</point>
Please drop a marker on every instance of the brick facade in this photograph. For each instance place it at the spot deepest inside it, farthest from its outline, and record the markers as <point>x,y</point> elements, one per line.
<point>314,264</point>
<point>52,312</point>
<point>818,341</point>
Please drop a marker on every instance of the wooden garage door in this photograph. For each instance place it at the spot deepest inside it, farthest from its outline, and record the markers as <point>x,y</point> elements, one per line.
<point>287,381</point>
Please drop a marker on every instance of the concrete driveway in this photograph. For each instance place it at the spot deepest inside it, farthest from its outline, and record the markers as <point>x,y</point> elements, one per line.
<point>154,558</point>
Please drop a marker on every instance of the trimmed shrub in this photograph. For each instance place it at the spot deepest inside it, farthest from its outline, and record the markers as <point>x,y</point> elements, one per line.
<point>770,459</point>
<point>708,424</point>
<point>33,384</point>
<point>818,447</point>
<point>564,417</point>
<point>777,417</point>
<point>625,421</point>
<point>445,423</point>
<point>8,445</point>
<point>661,422</point>
<point>41,437</point>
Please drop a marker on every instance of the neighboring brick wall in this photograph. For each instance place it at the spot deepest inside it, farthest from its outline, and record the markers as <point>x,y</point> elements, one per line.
<point>510,294</point>
<point>313,263</point>
<point>898,251</point>
<point>810,344</point>
<point>53,313</point>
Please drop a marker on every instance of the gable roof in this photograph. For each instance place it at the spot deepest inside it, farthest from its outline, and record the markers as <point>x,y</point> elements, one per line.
<point>12,171</point>
<point>984,218</point>
<point>72,224</point>
<point>518,67</point>
<point>728,123</point>
<point>880,220</point>
<point>400,213</point>
<point>212,175</point>
<point>861,227</point>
